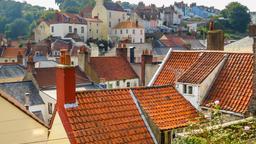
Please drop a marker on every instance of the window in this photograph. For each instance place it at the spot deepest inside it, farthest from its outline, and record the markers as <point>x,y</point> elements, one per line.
<point>128,84</point>
<point>90,30</point>
<point>97,31</point>
<point>190,90</point>
<point>119,20</point>
<point>70,29</point>
<point>37,53</point>
<point>13,61</point>
<point>184,89</point>
<point>141,32</point>
<point>127,31</point>
<point>75,30</point>
<point>82,29</point>
<point>50,108</point>
<point>52,29</point>
<point>117,83</point>
<point>133,31</point>
<point>109,14</point>
<point>72,63</point>
<point>110,86</point>
<point>123,17</point>
<point>6,61</point>
<point>121,31</point>
<point>109,25</point>
<point>141,40</point>
<point>115,31</point>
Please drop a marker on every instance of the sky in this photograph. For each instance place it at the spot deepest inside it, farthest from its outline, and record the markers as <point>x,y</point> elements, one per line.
<point>220,4</point>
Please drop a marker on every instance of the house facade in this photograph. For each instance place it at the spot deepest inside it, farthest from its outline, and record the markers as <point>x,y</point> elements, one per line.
<point>110,14</point>
<point>42,31</point>
<point>94,28</point>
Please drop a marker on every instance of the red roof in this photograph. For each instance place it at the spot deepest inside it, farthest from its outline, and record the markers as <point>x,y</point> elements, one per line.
<point>175,66</point>
<point>112,68</point>
<point>108,116</point>
<point>13,52</point>
<point>233,86</point>
<point>197,73</point>
<point>173,41</point>
<point>46,77</point>
<point>166,107</point>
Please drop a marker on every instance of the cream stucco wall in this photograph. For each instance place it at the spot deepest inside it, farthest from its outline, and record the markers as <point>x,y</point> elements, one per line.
<point>42,31</point>
<point>58,134</point>
<point>94,30</point>
<point>17,127</point>
<point>123,34</point>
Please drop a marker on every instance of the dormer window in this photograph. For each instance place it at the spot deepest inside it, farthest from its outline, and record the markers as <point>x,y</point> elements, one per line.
<point>187,89</point>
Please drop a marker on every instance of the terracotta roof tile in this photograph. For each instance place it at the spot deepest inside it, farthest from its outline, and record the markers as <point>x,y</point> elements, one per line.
<point>108,116</point>
<point>13,52</point>
<point>173,41</point>
<point>233,86</point>
<point>166,107</point>
<point>46,77</point>
<point>202,68</point>
<point>127,24</point>
<point>175,66</point>
<point>112,68</point>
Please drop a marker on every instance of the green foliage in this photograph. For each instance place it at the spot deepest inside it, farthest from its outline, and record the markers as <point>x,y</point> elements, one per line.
<point>238,16</point>
<point>18,27</point>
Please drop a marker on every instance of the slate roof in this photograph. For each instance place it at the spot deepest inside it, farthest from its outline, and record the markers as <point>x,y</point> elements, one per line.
<point>197,73</point>
<point>112,68</point>
<point>113,6</point>
<point>108,116</point>
<point>46,77</point>
<point>233,85</point>
<point>11,71</point>
<point>176,64</point>
<point>166,107</point>
<point>18,90</point>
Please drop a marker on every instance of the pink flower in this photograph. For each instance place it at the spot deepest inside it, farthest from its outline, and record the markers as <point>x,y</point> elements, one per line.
<point>246,128</point>
<point>217,102</point>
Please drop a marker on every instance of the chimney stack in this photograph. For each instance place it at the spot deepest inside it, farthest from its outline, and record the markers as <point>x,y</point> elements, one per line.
<point>146,59</point>
<point>65,82</point>
<point>27,101</point>
<point>215,38</point>
<point>122,50</point>
<point>20,58</point>
<point>252,107</point>
<point>83,58</point>
<point>31,64</point>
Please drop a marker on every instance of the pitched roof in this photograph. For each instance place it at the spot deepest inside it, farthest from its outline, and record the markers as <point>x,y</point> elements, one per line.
<point>171,41</point>
<point>113,6</point>
<point>202,68</point>
<point>233,86</point>
<point>11,71</point>
<point>165,106</point>
<point>108,116</point>
<point>46,77</point>
<point>13,52</point>
<point>127,24</point>
<point>175,66</point>
<point>68,18</point>
<point>14,102</point>
<point>242,45</point>
<point>112,68</point>
<point>18,90</point>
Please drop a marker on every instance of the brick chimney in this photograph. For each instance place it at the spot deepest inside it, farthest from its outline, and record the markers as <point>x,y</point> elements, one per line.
<point>83,58</point>
<point>215,38</point>
<point>20,58</point>
<point>252,107</point>
<point>31,65</point>
<point>122,50</point>
<point>65,82</point>
<point>146,59</point>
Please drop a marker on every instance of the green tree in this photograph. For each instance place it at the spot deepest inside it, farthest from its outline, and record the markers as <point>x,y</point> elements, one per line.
<point>238,16</point>
<point>19,27</point>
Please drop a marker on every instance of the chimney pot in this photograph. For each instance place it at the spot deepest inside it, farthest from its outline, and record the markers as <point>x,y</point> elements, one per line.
<point>27,100</point>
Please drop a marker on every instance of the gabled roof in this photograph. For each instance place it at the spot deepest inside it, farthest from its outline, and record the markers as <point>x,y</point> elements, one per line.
<point>112,68</point>
<point>107,116</point>
<point>68,18</point>
<point>46,77</point>
<point>166,107</point>
<point>174,67</point>
<point>113,6</point>
<point>127,24</point>
<point>233,85</point>
<point>201,68</point>
<point>171,41</point>
<point>18,90</point>
<point>14,102</point>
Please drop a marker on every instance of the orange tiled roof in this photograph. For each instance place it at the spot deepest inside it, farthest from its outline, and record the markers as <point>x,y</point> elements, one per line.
<point>175,66</point>
<point>112,68</point>
<point>127,24</point>
<point>173,41</point>
<point>108,116</point>
<point>166,107</point>
<point>202,68</point>
<point>233,86</point>
<point>13,52</point>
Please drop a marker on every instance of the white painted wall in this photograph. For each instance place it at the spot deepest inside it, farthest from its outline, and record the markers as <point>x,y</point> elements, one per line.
<point>62,29</point>
<point>137,37</point>
<point>122,83</point>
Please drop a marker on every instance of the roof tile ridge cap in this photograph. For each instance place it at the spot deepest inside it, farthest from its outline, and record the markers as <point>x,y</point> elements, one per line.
<point>192,66</point>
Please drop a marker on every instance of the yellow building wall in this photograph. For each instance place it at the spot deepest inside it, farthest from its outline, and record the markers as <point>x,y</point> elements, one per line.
<point>17,127</point>
<point>42,31</point>
<point>94,27</point>
<point>101,12</point>
<point>58,134</point>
